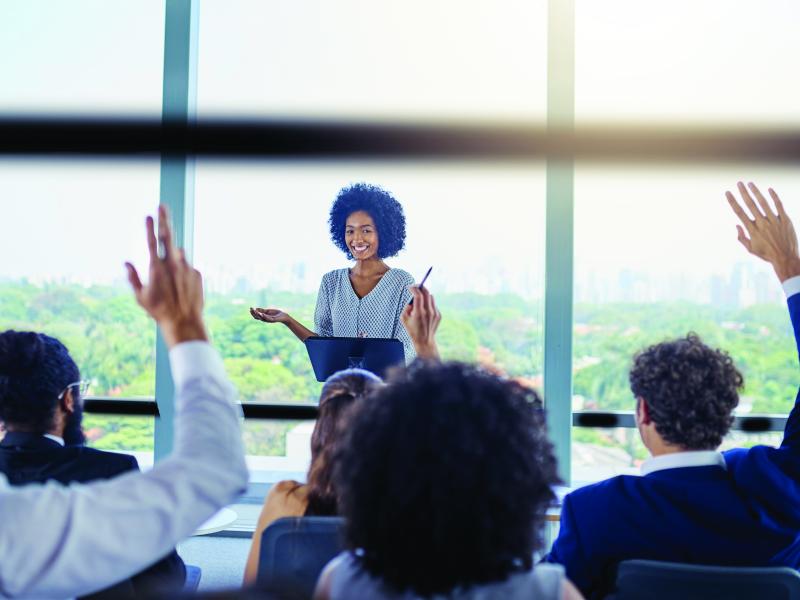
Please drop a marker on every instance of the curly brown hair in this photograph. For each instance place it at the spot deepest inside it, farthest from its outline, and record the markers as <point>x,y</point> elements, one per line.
<point>690,390</point>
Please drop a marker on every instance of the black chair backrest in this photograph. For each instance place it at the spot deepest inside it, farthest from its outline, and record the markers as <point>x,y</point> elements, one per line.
<point>657,580</point>
<point>294,551</point>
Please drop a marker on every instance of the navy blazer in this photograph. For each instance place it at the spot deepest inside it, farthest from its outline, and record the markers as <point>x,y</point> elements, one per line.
<point>747,514</point>
<point>33,458</point>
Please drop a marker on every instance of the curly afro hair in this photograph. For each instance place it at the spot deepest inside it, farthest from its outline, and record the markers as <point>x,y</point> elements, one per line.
<point>444,477</point>
<point>387,213</point>
<point>690,389</point>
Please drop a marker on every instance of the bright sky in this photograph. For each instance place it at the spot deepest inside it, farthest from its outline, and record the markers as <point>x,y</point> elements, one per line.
<point>481,228</point>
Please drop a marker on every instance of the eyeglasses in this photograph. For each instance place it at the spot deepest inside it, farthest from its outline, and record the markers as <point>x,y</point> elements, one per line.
<point>82,389</point>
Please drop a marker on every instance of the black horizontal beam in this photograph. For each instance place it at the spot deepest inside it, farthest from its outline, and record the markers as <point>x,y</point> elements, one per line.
<point>326,140</point>
<point>117,406</point>
<point>308,412</point>
<point>280,412</point>
<point>148,407</point>
<point>610,419</point>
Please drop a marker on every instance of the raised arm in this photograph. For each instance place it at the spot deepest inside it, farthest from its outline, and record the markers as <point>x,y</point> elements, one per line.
<point>770,235</point>
<point>66,541</point>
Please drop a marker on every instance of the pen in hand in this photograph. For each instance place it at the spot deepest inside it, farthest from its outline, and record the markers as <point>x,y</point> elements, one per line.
<point>422,283</point>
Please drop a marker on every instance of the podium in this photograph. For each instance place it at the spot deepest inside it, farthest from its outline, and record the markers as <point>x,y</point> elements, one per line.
<point>331,354</point>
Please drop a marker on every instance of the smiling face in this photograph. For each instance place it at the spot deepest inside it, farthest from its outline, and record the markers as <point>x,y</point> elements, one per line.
<point>361,236</point>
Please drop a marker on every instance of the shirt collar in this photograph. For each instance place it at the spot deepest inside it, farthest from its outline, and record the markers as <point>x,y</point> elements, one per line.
<point>678,460</point>
<point>55,438</point>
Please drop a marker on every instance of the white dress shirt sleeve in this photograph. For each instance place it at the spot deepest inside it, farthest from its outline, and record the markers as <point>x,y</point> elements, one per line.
<point>791,286</point>
<point>58,541</point>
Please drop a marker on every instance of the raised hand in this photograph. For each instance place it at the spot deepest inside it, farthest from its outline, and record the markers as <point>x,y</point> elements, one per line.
<point>770,234</point>
<point>173,295</point>
<point>269,315</point>
<point>421,319</point>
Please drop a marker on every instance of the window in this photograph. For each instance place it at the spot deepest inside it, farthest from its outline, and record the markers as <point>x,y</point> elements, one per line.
<point>84,57</point>
<point>73,226</point>
<point>692,62</point>
<point>666,262</point>
<point>656,254</point>
<point>268,244</point>
<point>355,60</point>
<point>121,433</point>
<point>602,453</point>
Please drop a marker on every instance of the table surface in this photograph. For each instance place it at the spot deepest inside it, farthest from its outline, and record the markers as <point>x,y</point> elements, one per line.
<point>222,520</point>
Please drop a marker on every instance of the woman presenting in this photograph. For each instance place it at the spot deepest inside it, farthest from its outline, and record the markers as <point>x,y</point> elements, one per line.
<point>367,299</point>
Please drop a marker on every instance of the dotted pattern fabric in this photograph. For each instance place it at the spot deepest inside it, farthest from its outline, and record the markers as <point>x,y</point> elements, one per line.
<point>341,313</point>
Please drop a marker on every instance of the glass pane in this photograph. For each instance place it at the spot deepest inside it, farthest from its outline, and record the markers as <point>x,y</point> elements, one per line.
<point>656,257</point>
<point>69,228</point>
<point>119,433</point>
<point>277,450</point>
<point>700,62</point>
<point>262,240</point>
<point>356,59</point>
<point>598,454</point>
<point>81,56</point>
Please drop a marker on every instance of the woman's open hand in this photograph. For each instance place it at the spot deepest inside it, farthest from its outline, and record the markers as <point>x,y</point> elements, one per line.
<point>269,315</point>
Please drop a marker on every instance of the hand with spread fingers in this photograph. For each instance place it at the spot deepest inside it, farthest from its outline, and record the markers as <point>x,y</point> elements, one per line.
<point>421,319</point>
<point>173,295</point>
<point>769,234</point>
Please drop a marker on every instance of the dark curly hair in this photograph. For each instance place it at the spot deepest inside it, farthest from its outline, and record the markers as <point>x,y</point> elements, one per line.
<point>339,394</point>
<point>690,390</point>
<point>444,478</point>
<point>34,369</point>
<point>390,222</point>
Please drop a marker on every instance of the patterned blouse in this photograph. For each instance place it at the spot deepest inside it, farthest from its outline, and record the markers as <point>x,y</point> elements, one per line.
<point>341,313</point>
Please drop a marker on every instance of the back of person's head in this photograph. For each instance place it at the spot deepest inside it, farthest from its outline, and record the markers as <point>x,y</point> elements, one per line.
<point>339,394</point>
<point>34,370</point>
<point>444,478</point>
<point>690,390</point>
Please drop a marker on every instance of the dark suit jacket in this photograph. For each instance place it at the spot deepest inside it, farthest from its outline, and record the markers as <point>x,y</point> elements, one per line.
<point>747,514</point>
<point>29,457</point>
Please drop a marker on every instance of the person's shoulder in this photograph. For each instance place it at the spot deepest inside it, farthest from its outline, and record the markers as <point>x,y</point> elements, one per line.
<point>336,273</point>
<point>601,492</point>
<point>112,462</point>
<point>401,274</point>
<point>400,277</point>
<point>329,585</point>
<point>287,486</point>
<point>746,465</point>
<point>289,494</point>
<point>332,277</point>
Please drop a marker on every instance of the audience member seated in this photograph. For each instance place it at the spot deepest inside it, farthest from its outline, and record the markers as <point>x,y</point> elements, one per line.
<point>317,496</point>
<point>41,410</point>
<point>59,542</point>
<point>444,476</point>
<point>694,504</point>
